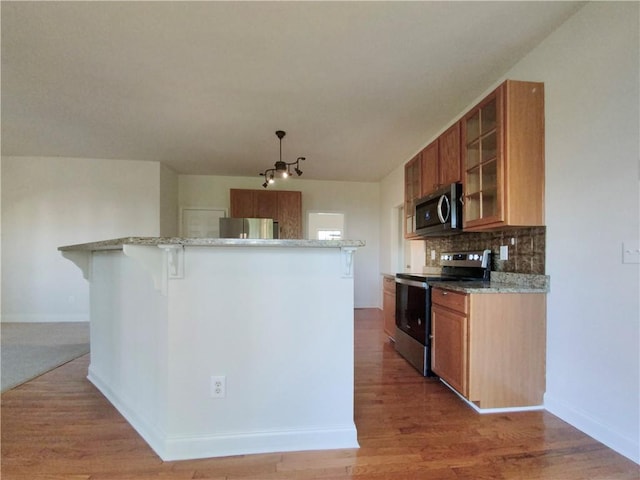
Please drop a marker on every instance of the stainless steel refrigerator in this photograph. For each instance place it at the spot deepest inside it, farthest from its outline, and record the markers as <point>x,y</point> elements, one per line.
<point>248,228</point>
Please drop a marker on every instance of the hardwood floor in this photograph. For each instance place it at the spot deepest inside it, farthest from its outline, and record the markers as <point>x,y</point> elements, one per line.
<point>59,427</point>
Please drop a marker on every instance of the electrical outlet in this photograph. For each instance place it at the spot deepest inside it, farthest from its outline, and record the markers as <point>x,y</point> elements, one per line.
<point>218,386</point>
<point>433,254</point>
<point>504,252</point>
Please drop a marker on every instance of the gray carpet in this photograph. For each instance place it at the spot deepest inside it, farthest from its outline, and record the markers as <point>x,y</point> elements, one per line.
<point>31,349</point>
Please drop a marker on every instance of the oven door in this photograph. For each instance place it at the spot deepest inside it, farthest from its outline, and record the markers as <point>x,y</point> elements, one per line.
<point>413,308</point>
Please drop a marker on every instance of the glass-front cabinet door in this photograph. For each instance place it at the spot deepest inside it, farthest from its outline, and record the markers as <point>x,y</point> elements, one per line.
<point>483,162</point>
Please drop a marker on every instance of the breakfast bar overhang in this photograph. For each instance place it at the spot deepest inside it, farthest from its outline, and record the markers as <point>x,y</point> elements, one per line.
<point>273,319</point>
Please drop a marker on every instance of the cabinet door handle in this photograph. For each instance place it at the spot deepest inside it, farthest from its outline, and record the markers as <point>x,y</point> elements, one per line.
<point>445,293</point>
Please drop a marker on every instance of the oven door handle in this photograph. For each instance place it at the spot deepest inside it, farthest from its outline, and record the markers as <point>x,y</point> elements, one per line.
<point>412,283</point>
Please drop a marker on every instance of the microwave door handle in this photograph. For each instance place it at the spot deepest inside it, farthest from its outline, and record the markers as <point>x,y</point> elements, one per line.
<point>443,218</point>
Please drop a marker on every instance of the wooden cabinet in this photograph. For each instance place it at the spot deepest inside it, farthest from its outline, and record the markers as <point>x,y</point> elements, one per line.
<point>429,168</point>
<point>503,158</point>
<point>490,347</point>
<point>266,204</point>
<point>389,305</point>
<point>449,338</point>
<point>290,214</point>
<point>285,207</point>
<point>437,165</point>
<point>497,151</point>
<point>412,192</point>
<point>242,203</point>
<point>450,159</point>
<point>441,161</point>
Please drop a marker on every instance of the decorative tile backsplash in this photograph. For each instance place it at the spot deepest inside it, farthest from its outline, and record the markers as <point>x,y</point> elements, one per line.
<point>526,255</point>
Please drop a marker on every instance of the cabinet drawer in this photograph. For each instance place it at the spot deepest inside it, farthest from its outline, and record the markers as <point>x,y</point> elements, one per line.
<point>389,285</point>
<point>452,300</point>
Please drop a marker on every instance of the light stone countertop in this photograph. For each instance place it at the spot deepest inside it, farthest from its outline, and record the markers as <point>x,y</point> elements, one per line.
<point>117,243</point>
<point>501,282</point>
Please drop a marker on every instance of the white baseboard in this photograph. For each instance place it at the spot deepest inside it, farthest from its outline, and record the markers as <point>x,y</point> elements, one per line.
<point>152,435</point>
<point>43,318</point>
<point>594,427</point>
<point>204,446</point>
<point>527,408</point>
<point>175,447</point>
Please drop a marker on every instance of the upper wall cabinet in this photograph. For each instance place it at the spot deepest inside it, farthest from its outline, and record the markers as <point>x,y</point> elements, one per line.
<point>503,158</point>
<point>429,170</point>
<point>412,192</point>
<point>285,207</point>
<point>450,160</point>
<point>437,165</point>
<point>441,161</point>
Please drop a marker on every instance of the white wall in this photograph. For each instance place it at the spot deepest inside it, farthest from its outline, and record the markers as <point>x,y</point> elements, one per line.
<point>168,202</point>
<point>391,197</point>
<point>590,69</point>
<point>358,201</point>
<point>49,202</point>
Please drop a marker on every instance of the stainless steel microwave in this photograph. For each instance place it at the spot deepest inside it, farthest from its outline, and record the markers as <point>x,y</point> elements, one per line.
<point>440,213</point>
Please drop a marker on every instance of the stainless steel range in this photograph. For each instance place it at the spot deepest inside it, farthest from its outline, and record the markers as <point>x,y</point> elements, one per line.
<point>413,302</point>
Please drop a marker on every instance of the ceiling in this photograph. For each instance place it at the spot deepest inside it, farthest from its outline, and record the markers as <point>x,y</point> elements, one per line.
<point>359,87</point>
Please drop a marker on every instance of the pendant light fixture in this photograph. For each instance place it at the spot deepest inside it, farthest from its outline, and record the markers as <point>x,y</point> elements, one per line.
<point>281,169</point>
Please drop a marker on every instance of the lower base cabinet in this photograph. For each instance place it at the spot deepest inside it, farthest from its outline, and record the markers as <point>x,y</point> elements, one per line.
<point>389,305</point>
<point>490,347</point>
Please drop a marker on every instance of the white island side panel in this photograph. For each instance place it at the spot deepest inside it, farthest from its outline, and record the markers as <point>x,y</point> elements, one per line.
<point>276,322</point>
<point>129,347</point>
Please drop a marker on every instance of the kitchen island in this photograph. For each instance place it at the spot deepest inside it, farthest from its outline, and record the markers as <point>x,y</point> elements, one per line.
<point>217,347</point>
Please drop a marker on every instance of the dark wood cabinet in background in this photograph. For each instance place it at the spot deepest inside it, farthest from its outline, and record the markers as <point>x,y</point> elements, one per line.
<point>285,207</point>
<point>242,203</point>
<point>290,214</point>
<point>266,204</point>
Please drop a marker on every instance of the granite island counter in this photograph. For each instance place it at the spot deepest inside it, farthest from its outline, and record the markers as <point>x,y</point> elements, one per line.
<point>272,320</point>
